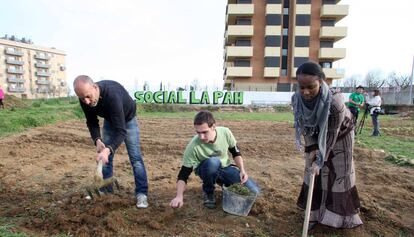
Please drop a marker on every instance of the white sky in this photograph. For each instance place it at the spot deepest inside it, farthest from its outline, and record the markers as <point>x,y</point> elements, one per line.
<point>178,41</point>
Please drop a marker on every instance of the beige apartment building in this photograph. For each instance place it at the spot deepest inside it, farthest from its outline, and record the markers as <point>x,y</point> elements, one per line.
<point>266,41</point>
<point>31,71</point>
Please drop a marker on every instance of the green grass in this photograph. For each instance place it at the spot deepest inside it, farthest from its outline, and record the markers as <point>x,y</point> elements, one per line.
<point>38,113</point>
<point>5,231</point>
<point>400,147</point>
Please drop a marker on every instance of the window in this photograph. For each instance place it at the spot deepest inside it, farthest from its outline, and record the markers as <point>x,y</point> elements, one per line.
<point>283,72</point>
<point>272,41</point>
<point>300,60</point>
<point>273,19</point>
<point>285,42</point>
<point>285,21</point>
<point>327,22</point>
<point>326,44</point>
<point>285,11</point>
<point>273,1</point>
<point>284,62</point>
<point>302,41</point>
<point>285,31</point>
<point>272,61</point>
<point>303,19</point>
<point>244,1</point>
<point>303,1</point>
<point>283,86</point>
<point>243,21</point>
<point>243,42</point>
<point>326,64</point>
<point>284,52</point>
<point>242,62</point>
<point>329,1</point>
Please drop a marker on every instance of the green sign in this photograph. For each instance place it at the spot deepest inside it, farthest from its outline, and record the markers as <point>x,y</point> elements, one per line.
<point>183,97</point>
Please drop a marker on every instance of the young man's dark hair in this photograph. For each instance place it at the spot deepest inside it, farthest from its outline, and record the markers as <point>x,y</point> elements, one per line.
<point>204,117</point>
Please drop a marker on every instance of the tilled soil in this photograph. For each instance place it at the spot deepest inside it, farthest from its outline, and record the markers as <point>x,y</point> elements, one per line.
<point>44,172</point>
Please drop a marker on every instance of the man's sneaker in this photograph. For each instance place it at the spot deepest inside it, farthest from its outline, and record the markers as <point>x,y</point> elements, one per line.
<point>209,200</point>
<point>142,201</point>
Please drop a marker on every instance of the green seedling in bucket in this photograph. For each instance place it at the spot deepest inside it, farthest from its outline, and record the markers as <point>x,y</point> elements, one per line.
<point>240,189</point>
<point>238,199</point>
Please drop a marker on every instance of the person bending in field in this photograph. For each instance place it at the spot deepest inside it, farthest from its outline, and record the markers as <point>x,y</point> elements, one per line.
<point>207,154</point>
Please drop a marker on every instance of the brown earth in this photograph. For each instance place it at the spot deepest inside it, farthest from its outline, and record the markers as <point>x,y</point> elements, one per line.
<point>11,101</point>
<point>44,173</point>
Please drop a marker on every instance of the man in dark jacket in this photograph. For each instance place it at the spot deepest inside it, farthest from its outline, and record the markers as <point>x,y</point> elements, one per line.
<point>110,100</point>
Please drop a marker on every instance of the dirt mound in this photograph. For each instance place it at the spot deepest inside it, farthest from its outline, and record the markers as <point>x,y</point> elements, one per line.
<point>11,101</point>
<point>45,172</point>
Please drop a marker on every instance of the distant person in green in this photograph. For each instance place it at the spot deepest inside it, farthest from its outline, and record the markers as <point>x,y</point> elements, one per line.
<point>356,102</point>
<point>207,154</point>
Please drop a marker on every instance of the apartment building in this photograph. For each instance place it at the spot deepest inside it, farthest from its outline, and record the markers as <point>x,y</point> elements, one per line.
<point>266,41</point>
<point>31,71</point>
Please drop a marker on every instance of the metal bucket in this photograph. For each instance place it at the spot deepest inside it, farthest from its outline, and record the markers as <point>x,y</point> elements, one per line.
<point>237,204</point>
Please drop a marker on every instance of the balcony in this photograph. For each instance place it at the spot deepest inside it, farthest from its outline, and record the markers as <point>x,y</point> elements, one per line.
<point>239,72</point>
<point>41,56</point>
<point>42,82</point>
<point>13,52</point>
<point>271,72</point>
<point>234,31</point>
<point>336,12</point>
<point>16,89</point>
<point>334,33</point>
<point>42,65</point>
<point>332,53</point>
<point>273,30</point>
<point>15,80</point>
<point>240,9</point>
<point>274,9</point>
<point>272,51</point>
<point>43,74</point>
<point>238,51</point>
<point>42,90</point>
<point>15,71</point>
<point>333,73</point>
<point>14,62</point>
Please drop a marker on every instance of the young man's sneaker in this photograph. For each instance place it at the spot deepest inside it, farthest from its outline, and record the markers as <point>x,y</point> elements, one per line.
<point>142,201</point>
<point>209,200</point>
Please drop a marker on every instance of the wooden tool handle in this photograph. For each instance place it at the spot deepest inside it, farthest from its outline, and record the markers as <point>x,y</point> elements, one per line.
<point>308,205</point>
<point>98,173</point>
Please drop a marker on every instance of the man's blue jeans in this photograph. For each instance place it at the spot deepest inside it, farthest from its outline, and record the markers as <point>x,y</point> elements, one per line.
<point>210,172</point>
<point>133,147</point>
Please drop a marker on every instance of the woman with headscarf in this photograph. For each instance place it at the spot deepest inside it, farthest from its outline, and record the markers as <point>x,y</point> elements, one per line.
<point>327,127</point>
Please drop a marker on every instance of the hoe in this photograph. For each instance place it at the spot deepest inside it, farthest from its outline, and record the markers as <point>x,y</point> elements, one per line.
<point>100,183</point>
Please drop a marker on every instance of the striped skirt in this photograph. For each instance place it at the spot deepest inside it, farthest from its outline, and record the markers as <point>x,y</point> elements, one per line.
<point>335,200</point>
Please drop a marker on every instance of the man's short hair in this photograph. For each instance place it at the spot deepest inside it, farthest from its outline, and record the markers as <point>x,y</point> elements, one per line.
<point>84,79</point>
<point>360,87</point>
<point>204,117</point>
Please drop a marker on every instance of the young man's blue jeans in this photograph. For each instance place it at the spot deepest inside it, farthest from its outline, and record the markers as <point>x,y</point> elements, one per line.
<point>133,147</point>
<point>210,172</point>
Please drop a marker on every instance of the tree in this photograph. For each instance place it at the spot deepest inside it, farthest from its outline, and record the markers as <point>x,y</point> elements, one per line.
<point>374,79</point>
<point>401,81</point>
<point>353,81</point>
<point>146,86</point>
<point>195,85</point>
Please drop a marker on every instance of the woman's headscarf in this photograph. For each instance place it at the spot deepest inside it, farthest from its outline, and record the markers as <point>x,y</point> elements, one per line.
<point>312,118</point>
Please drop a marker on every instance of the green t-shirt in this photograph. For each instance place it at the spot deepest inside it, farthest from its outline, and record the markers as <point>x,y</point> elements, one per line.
<point>357,98</point>
<point>197,151</point>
